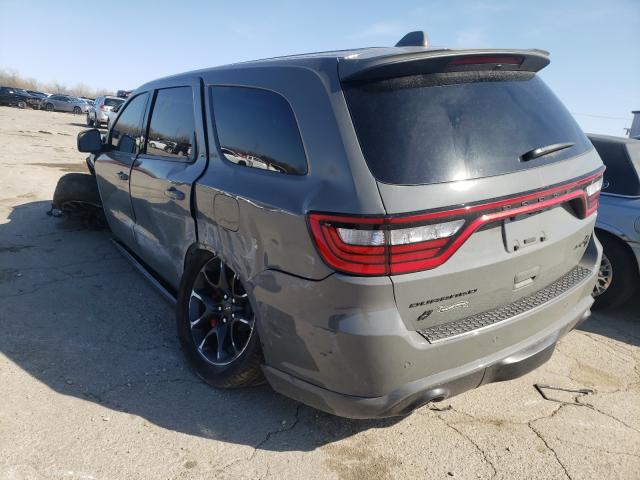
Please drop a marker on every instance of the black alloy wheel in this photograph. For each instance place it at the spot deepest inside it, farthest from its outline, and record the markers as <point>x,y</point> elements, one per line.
<point>220,316</point>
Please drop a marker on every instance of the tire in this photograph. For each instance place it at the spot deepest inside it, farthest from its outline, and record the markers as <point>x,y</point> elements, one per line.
<point>242,371</point>
<point>77,110</point>
<point>89,121</point>
<point>49,107</point>
<point>22,104</point>
<point>618,259</point>
<point>77,196</point>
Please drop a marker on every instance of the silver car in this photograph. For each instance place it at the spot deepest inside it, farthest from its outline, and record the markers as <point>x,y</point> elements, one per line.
<point>65,103</point>
<point>618,224</point>
<point>99,113</point>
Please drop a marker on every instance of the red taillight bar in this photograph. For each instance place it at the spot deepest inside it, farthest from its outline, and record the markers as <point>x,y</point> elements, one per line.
<point>482,60</point>
<point>391,259</point>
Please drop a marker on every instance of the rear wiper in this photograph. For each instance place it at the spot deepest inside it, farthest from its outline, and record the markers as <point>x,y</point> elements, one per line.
<point>541,151</point>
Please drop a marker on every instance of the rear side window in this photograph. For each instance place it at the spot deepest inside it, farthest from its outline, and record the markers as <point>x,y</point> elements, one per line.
<point>621,175</point>
<point>126,132</point>
<point>256,128</point>
<point>172,126</point>
<point>446,127</point>
<point>112,102</point>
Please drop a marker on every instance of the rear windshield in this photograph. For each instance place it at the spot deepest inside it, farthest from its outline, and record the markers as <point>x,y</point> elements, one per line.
<point>445,127</point>
<point>112,102</point>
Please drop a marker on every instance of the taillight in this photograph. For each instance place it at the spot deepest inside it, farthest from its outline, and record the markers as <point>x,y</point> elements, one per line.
<point>101,107</point>
<point>484,60</point>
<point>396,244</point>
<point>593,195</point>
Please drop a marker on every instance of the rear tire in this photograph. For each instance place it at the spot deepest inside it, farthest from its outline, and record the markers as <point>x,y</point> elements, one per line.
<point>89,121</point>
<point>49,107</point>
<point>22,104</point>
<point>242,370</point>
<point>77,110</point>
<point>77,196</point>
<point>618,277</point>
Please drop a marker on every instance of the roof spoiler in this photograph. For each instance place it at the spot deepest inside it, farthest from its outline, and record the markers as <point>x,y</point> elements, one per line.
<point>426,61</point>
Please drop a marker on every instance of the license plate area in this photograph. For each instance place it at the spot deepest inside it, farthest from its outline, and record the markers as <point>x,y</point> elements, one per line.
<point>524,231</point>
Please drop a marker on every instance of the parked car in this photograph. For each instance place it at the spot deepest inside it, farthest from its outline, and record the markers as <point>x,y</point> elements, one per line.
<point>113,113</point>
<point>32,100</point>
<point>423,234</point>
<point>64,103</point>
<point>39,95</point>
<point>618,224</point>
<point>16,97</point>
<point>99,114</point>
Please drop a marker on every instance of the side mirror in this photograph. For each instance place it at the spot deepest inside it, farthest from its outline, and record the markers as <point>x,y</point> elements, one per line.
<point>90,141</point>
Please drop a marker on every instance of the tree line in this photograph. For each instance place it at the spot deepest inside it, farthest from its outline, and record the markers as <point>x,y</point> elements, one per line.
<point>10,78</point>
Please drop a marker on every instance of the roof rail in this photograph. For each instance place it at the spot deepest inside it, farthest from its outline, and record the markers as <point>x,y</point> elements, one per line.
<point>414,39</point>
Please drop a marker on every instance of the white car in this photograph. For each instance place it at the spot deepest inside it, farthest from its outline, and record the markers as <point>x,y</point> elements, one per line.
<point>98,115</point>
<point>112,114</point>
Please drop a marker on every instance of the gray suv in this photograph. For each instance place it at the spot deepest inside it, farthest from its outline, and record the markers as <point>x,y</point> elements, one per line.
<point>368,230</point>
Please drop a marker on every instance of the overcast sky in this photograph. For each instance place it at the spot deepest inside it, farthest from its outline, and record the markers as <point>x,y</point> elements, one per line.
<point>594,45</point>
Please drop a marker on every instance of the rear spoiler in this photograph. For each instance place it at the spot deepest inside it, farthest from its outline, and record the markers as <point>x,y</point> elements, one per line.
<point>353,69</point>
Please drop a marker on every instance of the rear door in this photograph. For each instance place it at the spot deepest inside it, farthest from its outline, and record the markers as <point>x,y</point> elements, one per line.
<point>113,168</point>
<point>162,179</point>
<point>454,155</point>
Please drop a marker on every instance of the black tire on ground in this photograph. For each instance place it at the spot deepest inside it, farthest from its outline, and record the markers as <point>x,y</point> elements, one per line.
<point>22,104</point>
<point>89,121</point>
<point>624,268</point>
<point>77,196</point>
<point>49,107</point>
<point>243,371</point>
<point>77,110</point>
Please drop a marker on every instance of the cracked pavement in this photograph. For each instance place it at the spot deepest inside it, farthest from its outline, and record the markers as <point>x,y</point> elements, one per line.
<point>93,385</point>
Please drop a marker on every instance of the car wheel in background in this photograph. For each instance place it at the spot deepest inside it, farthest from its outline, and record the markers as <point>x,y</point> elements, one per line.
<point>618,273</point>
<point>76,195</point>
<point>22,104</point>
<point>49,107</point>
<point>216,324</point>
<point>77,110</point>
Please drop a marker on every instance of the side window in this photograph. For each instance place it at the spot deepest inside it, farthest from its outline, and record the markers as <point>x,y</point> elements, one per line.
<point>256,128</point>
<point>172,125</point>
<point>126,132</point>
<point>620,176</point>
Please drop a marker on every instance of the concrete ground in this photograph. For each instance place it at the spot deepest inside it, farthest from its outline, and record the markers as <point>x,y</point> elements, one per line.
<point>93,385</point>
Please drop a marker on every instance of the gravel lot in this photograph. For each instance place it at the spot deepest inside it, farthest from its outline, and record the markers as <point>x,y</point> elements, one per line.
<point>93,385</point>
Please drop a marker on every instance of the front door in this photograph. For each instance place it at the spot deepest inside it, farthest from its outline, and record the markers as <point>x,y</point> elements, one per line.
<point>113,168</point>
<point>162,177</point>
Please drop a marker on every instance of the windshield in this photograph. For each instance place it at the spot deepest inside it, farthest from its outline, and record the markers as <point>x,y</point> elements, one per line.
<point>112,102</point>
<point>446,127</point>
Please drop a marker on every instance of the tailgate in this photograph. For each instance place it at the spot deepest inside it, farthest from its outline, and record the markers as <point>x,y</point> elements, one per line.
<point>489,185</point>
<point>504,260</point>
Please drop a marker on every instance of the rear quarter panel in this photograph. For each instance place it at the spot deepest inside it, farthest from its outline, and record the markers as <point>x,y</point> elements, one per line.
<point>269,229</point>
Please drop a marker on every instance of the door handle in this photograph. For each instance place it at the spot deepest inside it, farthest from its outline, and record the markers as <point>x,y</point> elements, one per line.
<point>174,194</point>
<point>122,176</point>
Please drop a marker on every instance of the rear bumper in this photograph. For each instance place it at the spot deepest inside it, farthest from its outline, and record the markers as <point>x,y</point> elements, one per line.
<point>509,364</point>
<point>340,345</point>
